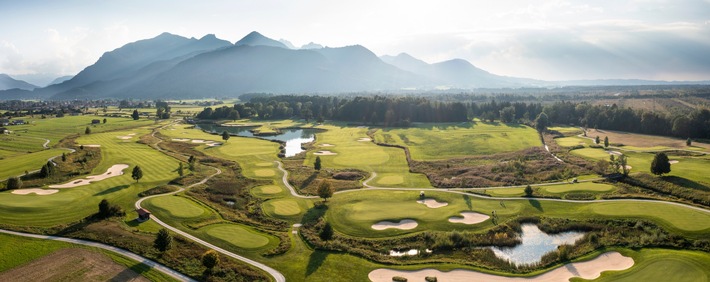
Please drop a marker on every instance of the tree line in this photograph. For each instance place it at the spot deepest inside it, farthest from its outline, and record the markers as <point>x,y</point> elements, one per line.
<point>400,111</point>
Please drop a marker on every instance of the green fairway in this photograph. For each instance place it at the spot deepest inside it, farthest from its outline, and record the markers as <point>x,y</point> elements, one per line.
<point>566,130</point>
<point>390,164</point>
<point>237,235</point>
<point>72,204</point>
<point>572,141</point>
<point>267,190</point>
<point>355,213</point>
<point>663,265</point>
<point>285,207</point>
<point>264,172</point>
<point>443,141</point>
<point>25,250</point>
<point>18,164</point>
<point>178,206</point>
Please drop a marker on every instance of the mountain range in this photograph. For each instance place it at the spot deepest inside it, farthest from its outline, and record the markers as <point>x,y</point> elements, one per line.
<point>169,66</point>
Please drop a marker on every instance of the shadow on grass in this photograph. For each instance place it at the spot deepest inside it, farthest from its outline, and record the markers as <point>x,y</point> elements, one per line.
<point>314,213</point>
<point>131,273</point>
<point>315,261</point>
<point>111,190</point>
<point>686,183</point>
<point>535,203</point>
<point>308,180</point>
<point>467,199</point>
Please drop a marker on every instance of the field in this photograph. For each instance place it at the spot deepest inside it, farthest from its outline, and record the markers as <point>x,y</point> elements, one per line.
<point>641,142</point>
<point>462,139</point>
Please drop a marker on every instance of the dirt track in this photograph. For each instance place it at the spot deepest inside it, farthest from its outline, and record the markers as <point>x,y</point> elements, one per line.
<point>72,264</point>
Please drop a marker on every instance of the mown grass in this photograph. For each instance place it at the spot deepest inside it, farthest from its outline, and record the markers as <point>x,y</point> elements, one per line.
<point>72,204</point>
<point>662,265</point>
<point>17,165</point>
<point>354,213</point>
<point>445,141</point>
<point>177,206</point>
<point>238,235</point>
<point>389,163</point>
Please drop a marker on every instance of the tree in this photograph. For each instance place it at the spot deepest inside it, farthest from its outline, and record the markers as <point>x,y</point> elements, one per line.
<point>528,191</point>
<point>137,173</point>
<point>596,140</point>
<point>180,170</point>
<point>163,240</point>
<point>64,157</point>
<point>317,164</point>
<point>660,164</point>
<point>87,130</point>
<point>325,190</point>
<point>623,163</point>
<point>135,115</point>
<point>507,114</point>
<point>541,122</point>
<point>210,259</point>
<point>107,210</point>
<point>327,232</point>
<point>47,170</point>
<point>104,121</point>
<point>606,141</point>
<point>602,166</point>
<point>689,142</point>
<point>225,136</point>
<point>14,183</point>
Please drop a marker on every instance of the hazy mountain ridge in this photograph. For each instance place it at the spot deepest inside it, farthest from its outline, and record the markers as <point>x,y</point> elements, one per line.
<point>172,66</point>
<point>7,82</point>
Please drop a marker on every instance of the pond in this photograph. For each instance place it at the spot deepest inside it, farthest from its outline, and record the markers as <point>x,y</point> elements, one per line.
<point>535,244</point>
<point>292,137</point>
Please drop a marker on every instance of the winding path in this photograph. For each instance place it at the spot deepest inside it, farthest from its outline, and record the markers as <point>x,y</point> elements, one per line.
<point>150,263</point>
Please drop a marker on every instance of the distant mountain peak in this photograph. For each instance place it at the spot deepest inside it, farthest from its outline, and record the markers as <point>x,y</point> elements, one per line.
<point>7,82</point>
<point>312,45</point>
<point>257,39</point>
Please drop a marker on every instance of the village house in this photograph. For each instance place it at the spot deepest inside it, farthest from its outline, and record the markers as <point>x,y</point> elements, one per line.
<point>4,122</point>
<point>143,214</point>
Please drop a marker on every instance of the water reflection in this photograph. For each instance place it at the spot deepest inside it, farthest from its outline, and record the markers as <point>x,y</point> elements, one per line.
<point>535,244</point>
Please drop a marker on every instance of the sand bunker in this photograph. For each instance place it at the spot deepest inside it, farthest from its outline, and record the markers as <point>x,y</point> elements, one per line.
<point>124,137</point>
<point>628,167</point>
<point>198,141</point>
<point>37,191</point>
<point>614,153</point>
<point>405,224</point>
<point>673,161</point>
<point>326,145</point>
<point>469,218</point>
<point>364,139</point>
<point>92,146</point>
<point>213,144</point>
<point>115,170</point>
<point>585,270</point>
<point>181,139</point>
<point>325,153</point>
<point>130,134</point>
<point>432,203</point>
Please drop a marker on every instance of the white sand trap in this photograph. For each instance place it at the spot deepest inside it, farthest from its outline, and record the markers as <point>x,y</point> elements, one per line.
<point>130,134</point>
<point>325,153</point>
<point>124,137</point>
<point>628,167</point>
<point>586,270</point>
<point>92,145</point>
<point>364,139</point>
<point>673,161</point>
<point>198,141</point>
<point>326,145</point>
<point>469,218</point>
<point>432,203</point>
<point>115,170</point>
<point>616,153</point>
<point>405,224</point>
<point>213,144</point>
<point>37,191</point>
<point>181,139</point>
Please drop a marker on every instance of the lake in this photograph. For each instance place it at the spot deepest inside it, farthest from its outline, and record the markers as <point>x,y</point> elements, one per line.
<point>535,244</point>
<point>292,137</point>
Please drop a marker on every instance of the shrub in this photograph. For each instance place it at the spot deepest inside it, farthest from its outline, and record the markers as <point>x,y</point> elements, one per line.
<point>399,279</point>
<point>430,279</point>
<point>347,175</point>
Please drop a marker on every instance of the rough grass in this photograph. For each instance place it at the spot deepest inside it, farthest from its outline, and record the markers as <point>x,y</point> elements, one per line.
<point>445,141</point>
<point>579,187</point>
<point>646,142</point>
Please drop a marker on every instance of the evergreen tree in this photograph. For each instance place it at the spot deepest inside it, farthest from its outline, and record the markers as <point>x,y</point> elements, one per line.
<point>317,164</point>
<point>225,136</point>
<point>137,173</point>
<point>181,170</point>
<point>596,140</point>
<point>541,122</point>
<point>689,142</point>
<point>660,164</point>
<point>606,141</point>
<point>87,130</point>
<point>135,115</point>
<point>528,191</point>
<point>64,157</point>
<point>327,232</point>
<point>163,240</point>
<point>104,121</point>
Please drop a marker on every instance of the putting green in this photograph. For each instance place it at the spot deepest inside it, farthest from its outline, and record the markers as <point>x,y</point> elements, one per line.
<point>284,207</point>
<point>390,180</point>
<point>586,186</point>
<point>178,206</point>
<point>682,218</point>
<point>267,189</point>
<point>264,172</point>
<point>664,265</point>
<point>237,235</point>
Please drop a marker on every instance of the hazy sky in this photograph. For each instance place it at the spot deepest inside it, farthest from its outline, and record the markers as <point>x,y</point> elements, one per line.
<point>551,40</point>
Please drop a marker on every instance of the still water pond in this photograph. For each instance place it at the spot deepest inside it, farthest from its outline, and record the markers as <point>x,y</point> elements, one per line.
<point>535,244</point>
<point>292,137</point>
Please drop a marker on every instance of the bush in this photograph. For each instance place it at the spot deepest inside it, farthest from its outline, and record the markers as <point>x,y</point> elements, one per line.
<point>347,175</point>
<point>399,279</point>
<point>430,279</point>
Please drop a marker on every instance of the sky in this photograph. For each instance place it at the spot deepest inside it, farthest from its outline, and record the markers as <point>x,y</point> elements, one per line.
<point>549,40</point>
